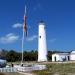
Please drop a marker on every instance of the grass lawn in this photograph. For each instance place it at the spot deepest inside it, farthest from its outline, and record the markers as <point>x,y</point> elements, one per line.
<point>58,68</point>
<point>53,69</point>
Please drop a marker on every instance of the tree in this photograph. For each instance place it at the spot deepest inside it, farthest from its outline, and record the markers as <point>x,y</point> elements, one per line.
<point>3,54</point>
<point>13,56</point>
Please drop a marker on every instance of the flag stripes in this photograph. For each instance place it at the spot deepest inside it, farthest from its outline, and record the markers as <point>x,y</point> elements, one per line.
<point>25,26</point>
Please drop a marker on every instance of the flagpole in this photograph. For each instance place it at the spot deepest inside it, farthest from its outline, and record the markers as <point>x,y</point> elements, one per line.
<point>22,45</point>
<point>23,39</point>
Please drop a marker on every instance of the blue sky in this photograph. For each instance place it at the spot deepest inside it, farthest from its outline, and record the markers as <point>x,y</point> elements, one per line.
<point>58,15</point>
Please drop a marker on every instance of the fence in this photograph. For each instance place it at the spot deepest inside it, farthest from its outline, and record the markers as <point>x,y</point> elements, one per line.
<point>23,69</point>
<point>8,69</point>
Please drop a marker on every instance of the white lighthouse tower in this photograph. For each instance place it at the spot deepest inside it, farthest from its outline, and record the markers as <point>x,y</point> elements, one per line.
<point>42,46</point>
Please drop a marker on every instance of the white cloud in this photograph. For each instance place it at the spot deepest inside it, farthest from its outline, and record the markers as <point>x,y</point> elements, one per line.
<point>32,38</point>
<point>17,25</point>
<point>52,40</point>
<point>9,38</point>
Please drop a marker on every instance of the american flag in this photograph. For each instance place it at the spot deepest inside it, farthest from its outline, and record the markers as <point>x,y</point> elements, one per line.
<point>25,26</point>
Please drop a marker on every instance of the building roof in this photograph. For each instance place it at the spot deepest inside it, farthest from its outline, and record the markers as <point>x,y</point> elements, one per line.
<point>61,53</point>
<point>72,52</point>
<point>42,23</point>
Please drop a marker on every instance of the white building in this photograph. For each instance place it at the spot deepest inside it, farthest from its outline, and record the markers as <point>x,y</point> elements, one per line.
<point>42,46</point>
<point>60,57</point>
<point>72,55</point>
<point>64,56</point>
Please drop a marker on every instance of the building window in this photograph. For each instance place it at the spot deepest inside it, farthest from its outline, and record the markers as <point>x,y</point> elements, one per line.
<point>40,36</point>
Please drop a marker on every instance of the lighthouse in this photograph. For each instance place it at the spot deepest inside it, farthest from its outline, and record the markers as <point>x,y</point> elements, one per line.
<point>42,46</point>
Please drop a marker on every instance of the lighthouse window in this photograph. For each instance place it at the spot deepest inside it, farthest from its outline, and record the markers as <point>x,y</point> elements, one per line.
<point>40,36</point>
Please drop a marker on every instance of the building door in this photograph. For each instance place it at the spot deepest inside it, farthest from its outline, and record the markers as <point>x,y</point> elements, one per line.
<point>55,58</point>
<point>68,58</point>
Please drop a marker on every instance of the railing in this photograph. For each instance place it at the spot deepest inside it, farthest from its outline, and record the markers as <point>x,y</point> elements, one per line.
<point>8,69</point>
<point>23,69</point>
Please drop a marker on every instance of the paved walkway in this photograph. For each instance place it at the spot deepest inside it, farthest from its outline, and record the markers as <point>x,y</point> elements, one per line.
<point>26,73</point>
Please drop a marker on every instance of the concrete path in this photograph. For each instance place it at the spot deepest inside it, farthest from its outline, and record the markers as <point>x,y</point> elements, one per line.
<point>25,73</point>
